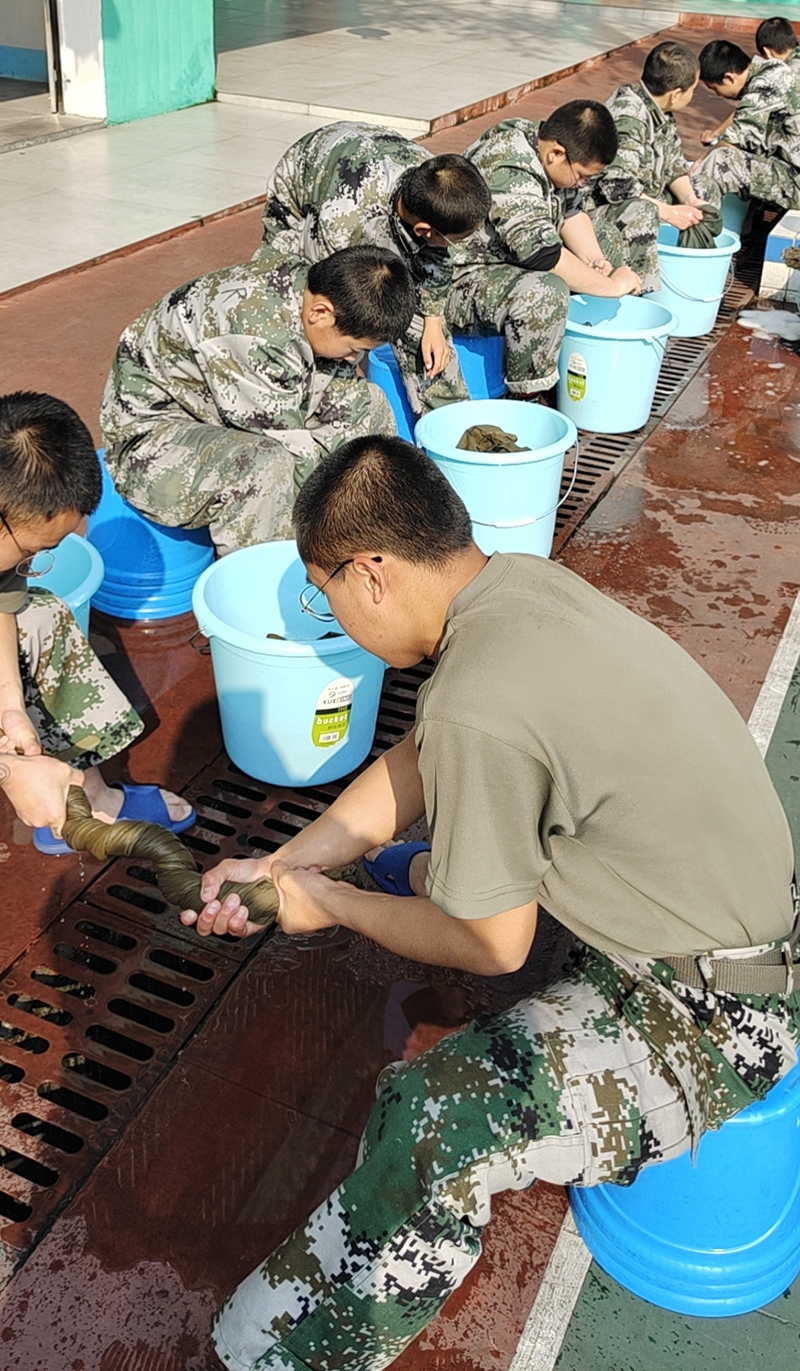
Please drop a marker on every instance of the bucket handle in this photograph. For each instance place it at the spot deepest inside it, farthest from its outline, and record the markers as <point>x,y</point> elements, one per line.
<point>525,523</point>
<point>203,648</point>
<point>700,299</point>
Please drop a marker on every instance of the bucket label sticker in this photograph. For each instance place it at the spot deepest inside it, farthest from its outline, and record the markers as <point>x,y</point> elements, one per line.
<point>576,376</point>
<point>332,717</point>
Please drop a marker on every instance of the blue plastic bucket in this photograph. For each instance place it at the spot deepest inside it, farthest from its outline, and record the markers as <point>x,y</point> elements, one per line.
<point>734,212</point>
<point>75,576</point>
<point>481,360</point>
<point>610,359</point>
<point>512,497</point>
<point>150,569</point>
<point>293,712</point>
<point>693,280</point>
<point>719,1238</point>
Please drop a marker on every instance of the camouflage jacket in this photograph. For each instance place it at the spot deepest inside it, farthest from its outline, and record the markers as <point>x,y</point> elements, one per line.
<point>338,187</point>
<point>228,348</point>
<point>650,155</point>
<point>767,118</point>
<point>527,209</point>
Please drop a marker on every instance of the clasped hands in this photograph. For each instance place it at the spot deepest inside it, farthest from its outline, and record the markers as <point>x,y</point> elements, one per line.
<point>305,895</point>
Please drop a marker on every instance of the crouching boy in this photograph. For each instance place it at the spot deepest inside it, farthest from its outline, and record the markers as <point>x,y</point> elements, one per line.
<point>60,712</point>
<point>224,395</point>
<point>516,273</point>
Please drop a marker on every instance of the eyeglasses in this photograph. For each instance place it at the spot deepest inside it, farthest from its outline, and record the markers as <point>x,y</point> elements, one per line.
<point>307,600</point>
<point>25,566</point>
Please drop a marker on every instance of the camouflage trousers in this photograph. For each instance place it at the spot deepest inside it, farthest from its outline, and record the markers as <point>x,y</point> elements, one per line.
<point>605,1072</point>
<point>80,714</point>
<point>529,308</point>
<point>628,236</point>
<point>238,484</point>
<point>749,175</point>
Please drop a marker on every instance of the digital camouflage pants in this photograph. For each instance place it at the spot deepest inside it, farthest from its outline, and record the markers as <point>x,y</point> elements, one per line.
<point>238,484</point>
<point>749,175</point>
<point>628,235</point>
<point>529,308</point>
<point>570,1086</point>
<point>81,716</point>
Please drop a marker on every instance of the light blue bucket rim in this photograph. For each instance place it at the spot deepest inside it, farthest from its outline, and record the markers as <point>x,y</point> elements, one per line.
<point>212,626</point>
<point>499,459</point>
<point>625,335</point>
<point>721,250</point>
<point>93,578</point>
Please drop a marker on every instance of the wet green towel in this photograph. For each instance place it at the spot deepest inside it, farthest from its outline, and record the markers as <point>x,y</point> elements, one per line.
<point>702,235</point>
<point>489,438</point>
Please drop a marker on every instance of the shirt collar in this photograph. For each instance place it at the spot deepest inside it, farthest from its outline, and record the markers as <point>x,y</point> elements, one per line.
<point>657,112</point>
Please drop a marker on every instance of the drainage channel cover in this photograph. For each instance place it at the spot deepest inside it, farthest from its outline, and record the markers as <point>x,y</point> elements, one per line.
<point>92,1016</point>
<point>89,1018</point>
<point>603,456</point>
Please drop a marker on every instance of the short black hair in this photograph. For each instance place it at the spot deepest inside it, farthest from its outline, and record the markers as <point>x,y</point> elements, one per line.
<point>379,494</point>
<point>48,463</point>
<point>776,34</point>
<point>670,66</point>
<point>720,58</point>
<point>371,290</point>
<point>586,131</point>
<point>446,192</point>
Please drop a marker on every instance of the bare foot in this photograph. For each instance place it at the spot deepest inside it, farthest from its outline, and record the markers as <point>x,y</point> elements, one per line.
<point>106,801</point>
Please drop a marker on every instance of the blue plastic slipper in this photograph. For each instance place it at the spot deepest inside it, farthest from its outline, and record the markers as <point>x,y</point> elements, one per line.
<point>139,802</point>
<point>391,867</point>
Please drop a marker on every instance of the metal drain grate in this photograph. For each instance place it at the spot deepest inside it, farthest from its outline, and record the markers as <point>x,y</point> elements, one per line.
<point>604,456</point>
<point>89,1018</point>
<point>92,1016</point>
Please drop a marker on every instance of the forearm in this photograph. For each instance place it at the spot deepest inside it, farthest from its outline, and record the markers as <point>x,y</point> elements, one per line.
<point>578,236</point>
<point>382,801</point>
<point>11,694</point>
<point>416,928</point>
<point>683,190</point>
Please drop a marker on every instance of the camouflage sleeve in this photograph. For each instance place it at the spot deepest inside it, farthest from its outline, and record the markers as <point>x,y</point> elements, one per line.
<point>521,215</point>
<point>622,179</point>
<point>675,164</point>
<point>435,280</point>
<point>282,205</point>
<point>255,383</point>
<point>750,122</point>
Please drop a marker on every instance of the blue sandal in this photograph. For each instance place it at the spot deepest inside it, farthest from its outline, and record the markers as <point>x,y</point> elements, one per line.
<point>391,867</point>
<point>142,802</point>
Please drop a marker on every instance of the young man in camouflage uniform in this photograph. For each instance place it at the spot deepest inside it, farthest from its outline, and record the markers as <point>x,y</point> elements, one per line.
<point>565,751</point>
<point>777,40</point>
<point>60,712</point>
<point>352,183</point>
<point>758,146</point>
<point>516,273</point>
<point>225,394</point>
<point>650,164</point>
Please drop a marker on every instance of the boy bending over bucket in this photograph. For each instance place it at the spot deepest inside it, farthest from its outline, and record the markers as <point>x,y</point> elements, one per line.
<point>568,752</point>
<point>60,712</point>
<point>539,243</point>
<point>757,152</point>
<point>352,183</point>
<point>224,395</point>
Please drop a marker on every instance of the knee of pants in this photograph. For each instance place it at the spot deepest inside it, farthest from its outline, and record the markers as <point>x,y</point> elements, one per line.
<point>42,624</point>
<point>539,294</point>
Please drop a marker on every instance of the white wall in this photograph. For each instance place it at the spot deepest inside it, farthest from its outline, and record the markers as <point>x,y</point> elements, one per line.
<point>22,24</point>
<point>82,57</point>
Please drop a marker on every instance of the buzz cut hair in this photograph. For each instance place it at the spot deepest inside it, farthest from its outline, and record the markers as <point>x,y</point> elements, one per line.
<point>776,34</point>
<point>670,66</point>
<point>371,289</point>
<point>447,192</point>
<point>720,59</point>
<point>586,131</point>
<point>379,495</point>
<point>48,463</point>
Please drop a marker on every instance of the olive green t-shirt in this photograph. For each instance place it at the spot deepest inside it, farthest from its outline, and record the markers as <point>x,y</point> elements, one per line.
<point>13,592</point>
<point>571,752</point>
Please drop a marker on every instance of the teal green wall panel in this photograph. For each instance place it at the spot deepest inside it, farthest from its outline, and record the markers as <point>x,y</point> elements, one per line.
<point>158,55</point>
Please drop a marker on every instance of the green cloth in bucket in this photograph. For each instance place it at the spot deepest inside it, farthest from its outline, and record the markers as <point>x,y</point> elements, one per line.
<point>704,234</point>
<point>489,438</point>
